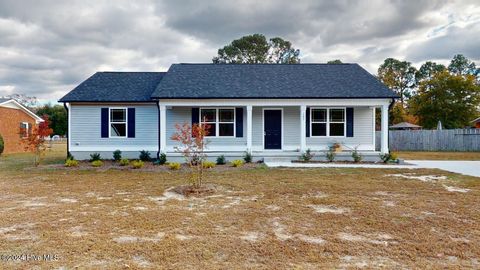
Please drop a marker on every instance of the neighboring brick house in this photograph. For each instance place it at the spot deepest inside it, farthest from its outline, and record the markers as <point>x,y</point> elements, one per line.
<point>13,116</point>
<point>476,123</point>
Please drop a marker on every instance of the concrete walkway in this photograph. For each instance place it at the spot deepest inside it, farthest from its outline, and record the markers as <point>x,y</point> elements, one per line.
<point>471,168</point>
<point>336,165</point>
<point>466,167</point>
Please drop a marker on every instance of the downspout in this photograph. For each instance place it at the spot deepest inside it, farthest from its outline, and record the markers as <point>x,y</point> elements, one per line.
<point>68,130</point>
<point>158,123</point>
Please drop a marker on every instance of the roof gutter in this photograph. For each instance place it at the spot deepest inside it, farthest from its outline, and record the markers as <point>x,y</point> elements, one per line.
<point>158,123</point>
<point>68,129</point>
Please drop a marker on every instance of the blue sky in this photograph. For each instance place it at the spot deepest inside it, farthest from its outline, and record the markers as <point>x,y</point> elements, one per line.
<point>48,47</point>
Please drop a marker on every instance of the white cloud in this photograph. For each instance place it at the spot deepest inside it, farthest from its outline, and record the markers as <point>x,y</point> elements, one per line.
<point>47,47</point>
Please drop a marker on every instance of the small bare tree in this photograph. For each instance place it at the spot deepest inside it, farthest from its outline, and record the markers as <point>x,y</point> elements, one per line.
<point>193,144</point>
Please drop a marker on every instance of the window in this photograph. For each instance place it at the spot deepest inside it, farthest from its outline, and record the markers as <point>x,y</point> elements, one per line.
<point>327,122</point>
<point>24,129</point>
<point>221,122</point>
<point>118,123</point>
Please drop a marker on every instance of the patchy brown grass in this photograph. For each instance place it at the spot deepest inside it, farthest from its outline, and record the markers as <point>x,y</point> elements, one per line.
<point>439,155</point>
<point>257,218</point>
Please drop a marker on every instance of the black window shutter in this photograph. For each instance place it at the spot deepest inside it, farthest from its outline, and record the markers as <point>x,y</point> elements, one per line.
<point>349,122</point>
<point>104,122</point>
<point>307,120</point>
<point>239,122</point>
<point>131,123</point>
<point>195,115</point>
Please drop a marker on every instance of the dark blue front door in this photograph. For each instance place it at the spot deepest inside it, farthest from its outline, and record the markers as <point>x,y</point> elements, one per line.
<point>272,124</point>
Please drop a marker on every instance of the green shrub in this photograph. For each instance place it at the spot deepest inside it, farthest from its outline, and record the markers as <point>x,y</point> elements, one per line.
<point>237,163</point>
<point>124,162</point>
<point>208,164</point>
<point>97,163</point>
<point>388,157</point>
<point>144,156</point>
<point>247,157</point>
<point>162,159</point>
<point>357,157</point>
<point>95,157</point>
<point>174,166</point>
<point>117,155</point>
<point>307,156</point>
<point>137,164</point>
<point>330,155</point>
<point>221,160</point>
<point>2,145</point>
<point>71,163</point>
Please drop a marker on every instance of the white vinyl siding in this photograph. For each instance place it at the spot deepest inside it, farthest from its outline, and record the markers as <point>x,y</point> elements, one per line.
<point>86,128</point>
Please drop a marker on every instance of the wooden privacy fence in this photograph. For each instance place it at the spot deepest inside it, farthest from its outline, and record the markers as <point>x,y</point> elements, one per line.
<point>432,140</point>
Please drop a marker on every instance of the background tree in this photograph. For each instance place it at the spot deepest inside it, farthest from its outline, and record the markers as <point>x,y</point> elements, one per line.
<point>428,70</point>
<point>452,99</point>
<point>398,76</point>
<point>57,116</point>
<point>460,65</point>
<point>255,49</point>
<point>35,140</point>
<point>27,101</point>
<point>336,61</point>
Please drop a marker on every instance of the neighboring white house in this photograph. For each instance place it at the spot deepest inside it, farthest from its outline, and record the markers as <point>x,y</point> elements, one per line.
<point>269,110</point>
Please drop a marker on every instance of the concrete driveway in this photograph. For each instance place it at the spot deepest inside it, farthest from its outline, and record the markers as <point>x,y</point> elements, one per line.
<point>466,167</point>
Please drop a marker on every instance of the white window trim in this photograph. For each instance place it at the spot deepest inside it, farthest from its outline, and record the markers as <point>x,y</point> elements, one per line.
<point>217,121</point>
<point>328,122</point>
<point>110,122</point>
<point>27,129</point>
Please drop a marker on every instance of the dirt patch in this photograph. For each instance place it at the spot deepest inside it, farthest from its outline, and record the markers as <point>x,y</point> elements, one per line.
<point>378,238</point>
<point>133,239</point>
<point>252,236</point>
<point>189,190</point>
<point>140,261</point>
<point>456,189</point>
<point>322,209</point>
<point>423,178</point>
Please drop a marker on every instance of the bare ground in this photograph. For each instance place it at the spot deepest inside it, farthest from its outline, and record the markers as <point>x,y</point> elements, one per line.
<point>257,218</point>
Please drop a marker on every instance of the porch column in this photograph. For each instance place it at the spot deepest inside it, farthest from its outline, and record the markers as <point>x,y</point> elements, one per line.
<point>303,134</point>
<point>384,145</point>
<point>163,129</point>
<point>249,128</point>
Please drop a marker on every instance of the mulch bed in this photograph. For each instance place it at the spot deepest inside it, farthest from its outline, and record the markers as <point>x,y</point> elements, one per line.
<point>148,166</point>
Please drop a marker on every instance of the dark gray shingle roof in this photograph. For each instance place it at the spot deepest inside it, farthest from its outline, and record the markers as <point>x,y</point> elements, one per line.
<point>116,86</point>
<point>270,81</point>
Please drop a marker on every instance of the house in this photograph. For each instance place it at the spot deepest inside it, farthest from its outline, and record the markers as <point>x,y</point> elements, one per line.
<point>13,118</point>
<point>269,110</point>
<point>405,126</point>
<point>476,123</point>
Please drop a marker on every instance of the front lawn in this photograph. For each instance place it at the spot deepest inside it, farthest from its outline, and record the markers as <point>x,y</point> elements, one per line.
<point>257,218</point>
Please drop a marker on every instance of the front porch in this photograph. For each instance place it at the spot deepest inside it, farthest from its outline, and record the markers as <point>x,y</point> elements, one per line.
<point>279,128</point>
